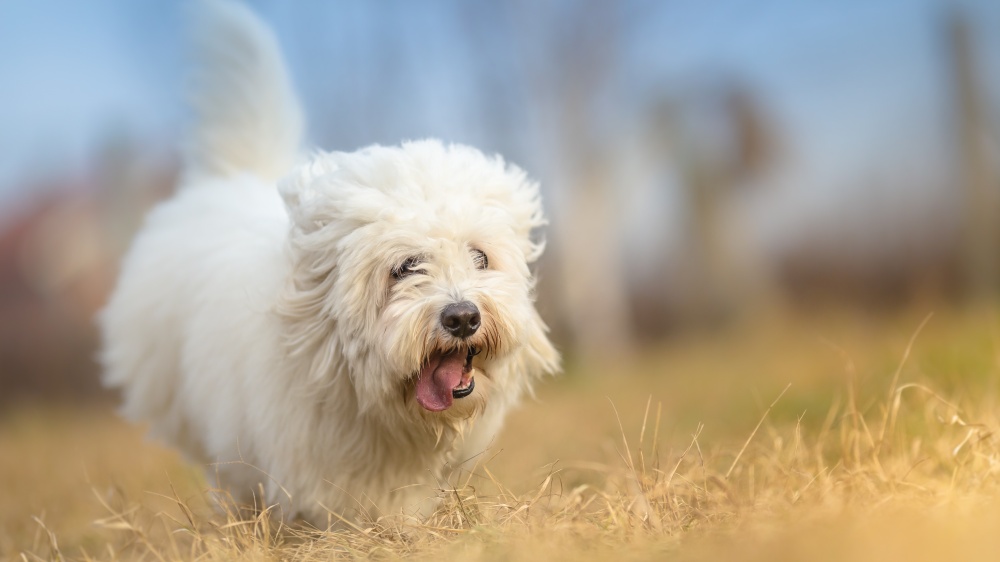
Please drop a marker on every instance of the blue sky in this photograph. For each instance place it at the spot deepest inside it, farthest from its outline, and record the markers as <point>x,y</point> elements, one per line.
<point>844,80</point>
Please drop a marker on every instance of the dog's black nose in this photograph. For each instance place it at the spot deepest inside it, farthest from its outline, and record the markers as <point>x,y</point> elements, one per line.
<point>461,319</point>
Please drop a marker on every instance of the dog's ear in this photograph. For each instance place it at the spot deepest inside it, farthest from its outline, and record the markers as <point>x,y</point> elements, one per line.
<point>538,356</point>
<point>526,204</point>
<point>303,192</point>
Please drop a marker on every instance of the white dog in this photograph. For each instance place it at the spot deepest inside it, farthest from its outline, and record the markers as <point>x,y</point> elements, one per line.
<point>346,327</point>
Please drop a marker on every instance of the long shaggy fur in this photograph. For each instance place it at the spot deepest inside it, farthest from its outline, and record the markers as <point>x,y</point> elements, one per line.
<point>257,323</point>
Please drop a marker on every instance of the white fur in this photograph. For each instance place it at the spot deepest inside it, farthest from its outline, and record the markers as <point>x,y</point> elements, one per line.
<point>258,321</point>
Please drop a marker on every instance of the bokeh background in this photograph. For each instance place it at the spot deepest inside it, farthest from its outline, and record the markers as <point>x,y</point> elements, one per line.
<point>703,163</point>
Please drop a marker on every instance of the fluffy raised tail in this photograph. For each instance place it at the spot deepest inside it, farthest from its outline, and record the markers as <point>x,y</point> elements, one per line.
<point>247,117</point>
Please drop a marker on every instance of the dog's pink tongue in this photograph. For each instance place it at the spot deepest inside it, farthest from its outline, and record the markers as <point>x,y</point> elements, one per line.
<point>438,378</point>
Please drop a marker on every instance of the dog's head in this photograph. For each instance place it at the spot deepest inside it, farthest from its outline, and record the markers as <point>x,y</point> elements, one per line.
<point>412,278</point>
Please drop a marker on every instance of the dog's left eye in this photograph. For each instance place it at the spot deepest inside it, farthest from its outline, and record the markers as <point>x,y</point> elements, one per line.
<point>479,259</point>
<point>407,268</point>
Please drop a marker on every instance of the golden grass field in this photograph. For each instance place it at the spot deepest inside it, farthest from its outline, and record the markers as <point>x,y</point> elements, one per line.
<point>841,436</point>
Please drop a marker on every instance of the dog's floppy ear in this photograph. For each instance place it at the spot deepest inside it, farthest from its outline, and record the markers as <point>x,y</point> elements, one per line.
<point>303,190</point>
<point>526,202</point>
<point>538,356</point>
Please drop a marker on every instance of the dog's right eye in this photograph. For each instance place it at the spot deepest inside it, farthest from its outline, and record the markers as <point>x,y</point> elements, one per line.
<point>407,268</point>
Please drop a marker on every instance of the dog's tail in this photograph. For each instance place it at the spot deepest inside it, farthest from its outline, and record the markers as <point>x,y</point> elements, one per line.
<point>246,115</point>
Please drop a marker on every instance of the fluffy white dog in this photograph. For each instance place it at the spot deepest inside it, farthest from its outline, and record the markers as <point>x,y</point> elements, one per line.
<point>341,329</point>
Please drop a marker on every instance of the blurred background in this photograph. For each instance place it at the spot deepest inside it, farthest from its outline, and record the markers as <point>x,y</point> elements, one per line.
<point>702,163</point>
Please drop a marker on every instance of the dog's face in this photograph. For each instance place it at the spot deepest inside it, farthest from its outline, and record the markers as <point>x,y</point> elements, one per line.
<point>412,277</point>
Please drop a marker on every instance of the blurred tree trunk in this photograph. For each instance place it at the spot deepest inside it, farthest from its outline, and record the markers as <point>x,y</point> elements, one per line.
<point>723,272</point>
<point>569,53</point>
<point>977,179</point>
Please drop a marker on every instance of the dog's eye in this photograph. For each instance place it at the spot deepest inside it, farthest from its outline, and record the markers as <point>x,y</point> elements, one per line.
<point>407,268</point>
<point>479,259</point>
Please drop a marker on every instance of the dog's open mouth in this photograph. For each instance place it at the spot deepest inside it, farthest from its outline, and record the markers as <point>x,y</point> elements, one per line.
<point>445,376</point>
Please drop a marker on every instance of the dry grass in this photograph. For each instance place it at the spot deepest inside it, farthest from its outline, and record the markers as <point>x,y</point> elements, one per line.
<point>842,439</point>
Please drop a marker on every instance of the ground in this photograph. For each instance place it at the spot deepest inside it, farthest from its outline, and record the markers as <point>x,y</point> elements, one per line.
<point>810,436</point>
